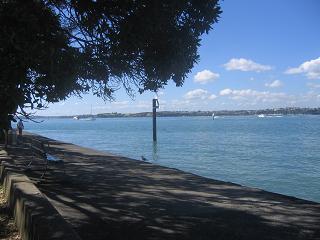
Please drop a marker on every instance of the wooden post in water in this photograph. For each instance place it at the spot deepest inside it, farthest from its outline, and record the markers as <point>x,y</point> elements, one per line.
<point>155,105</point>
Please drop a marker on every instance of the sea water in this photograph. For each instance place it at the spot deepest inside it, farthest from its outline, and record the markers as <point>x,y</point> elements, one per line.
<point>278,154</point>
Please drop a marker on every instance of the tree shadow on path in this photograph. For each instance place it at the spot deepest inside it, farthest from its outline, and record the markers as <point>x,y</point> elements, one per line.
<point>110,197</point>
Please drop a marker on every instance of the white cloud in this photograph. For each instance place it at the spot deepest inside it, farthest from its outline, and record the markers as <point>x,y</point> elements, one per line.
<point>205,76</point>
<point>113,105</point>
<point>226,91</point>
<point>274,84</point>
<point>245,65</point>
<point>313,85</point>
<point>176,104</point>
<point>196,94</point>
<point>243,99</point>
<point>121,103</point>
<point>253,95</point>
<point>143,104</point>
<point>102,107</point>
<point>199,94</point>
<point>310,68</point>
<point>212,96</point>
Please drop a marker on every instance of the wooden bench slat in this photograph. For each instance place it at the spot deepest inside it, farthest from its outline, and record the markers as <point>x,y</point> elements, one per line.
<point>40,148</point>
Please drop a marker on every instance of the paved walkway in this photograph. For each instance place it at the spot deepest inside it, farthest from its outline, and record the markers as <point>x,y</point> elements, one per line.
<point>109,197</point>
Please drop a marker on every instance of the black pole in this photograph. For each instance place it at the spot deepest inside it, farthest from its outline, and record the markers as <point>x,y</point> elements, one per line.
<point>154,118</point>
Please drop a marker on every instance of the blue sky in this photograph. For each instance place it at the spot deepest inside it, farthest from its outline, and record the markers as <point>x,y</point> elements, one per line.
<point>261,54</point>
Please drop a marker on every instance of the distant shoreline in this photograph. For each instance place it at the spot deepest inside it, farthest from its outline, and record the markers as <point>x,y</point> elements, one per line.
<point>275,111</point>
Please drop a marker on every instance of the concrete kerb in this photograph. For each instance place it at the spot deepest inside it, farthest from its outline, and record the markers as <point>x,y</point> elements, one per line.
<point>34,215</point>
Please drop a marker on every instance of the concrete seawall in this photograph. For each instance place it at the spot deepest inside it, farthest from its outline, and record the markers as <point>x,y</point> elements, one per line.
<point>34,215</point>
<point>103,196</point>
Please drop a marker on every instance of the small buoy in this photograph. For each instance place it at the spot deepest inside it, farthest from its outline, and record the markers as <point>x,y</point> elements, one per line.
<point>143,158</point>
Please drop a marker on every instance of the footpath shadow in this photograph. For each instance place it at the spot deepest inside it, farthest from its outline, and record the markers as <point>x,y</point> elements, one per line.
<point>109,197</point>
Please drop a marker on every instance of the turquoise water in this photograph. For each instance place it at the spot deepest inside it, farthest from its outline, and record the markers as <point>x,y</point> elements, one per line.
<point>278,154</point>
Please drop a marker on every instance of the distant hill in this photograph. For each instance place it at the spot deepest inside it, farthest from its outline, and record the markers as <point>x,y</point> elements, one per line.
<point>275,111</point>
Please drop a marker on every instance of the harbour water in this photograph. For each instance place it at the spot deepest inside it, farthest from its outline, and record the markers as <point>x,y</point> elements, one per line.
<point>278,154</point>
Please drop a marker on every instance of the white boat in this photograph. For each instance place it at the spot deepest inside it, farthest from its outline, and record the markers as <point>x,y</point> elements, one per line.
<point>261,116</point>
<point>89,118</point>
<point>213,116</point>
<point>75,118</point>
<point>275,115</point>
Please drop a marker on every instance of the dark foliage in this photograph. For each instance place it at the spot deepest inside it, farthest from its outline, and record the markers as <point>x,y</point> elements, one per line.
<point>52,49</point>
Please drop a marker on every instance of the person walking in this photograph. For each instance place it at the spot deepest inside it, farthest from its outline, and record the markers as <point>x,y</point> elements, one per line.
<point>5,125</point>
<point>20,127</point>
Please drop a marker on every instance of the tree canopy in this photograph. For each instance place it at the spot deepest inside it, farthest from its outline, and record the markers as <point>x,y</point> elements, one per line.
<point>53,49</point>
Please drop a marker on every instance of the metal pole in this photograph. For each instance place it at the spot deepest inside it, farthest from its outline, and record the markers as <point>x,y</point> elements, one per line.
<point>154,118</point>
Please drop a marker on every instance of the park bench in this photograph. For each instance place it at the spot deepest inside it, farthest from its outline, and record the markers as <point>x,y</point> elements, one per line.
<point>40,149</point>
